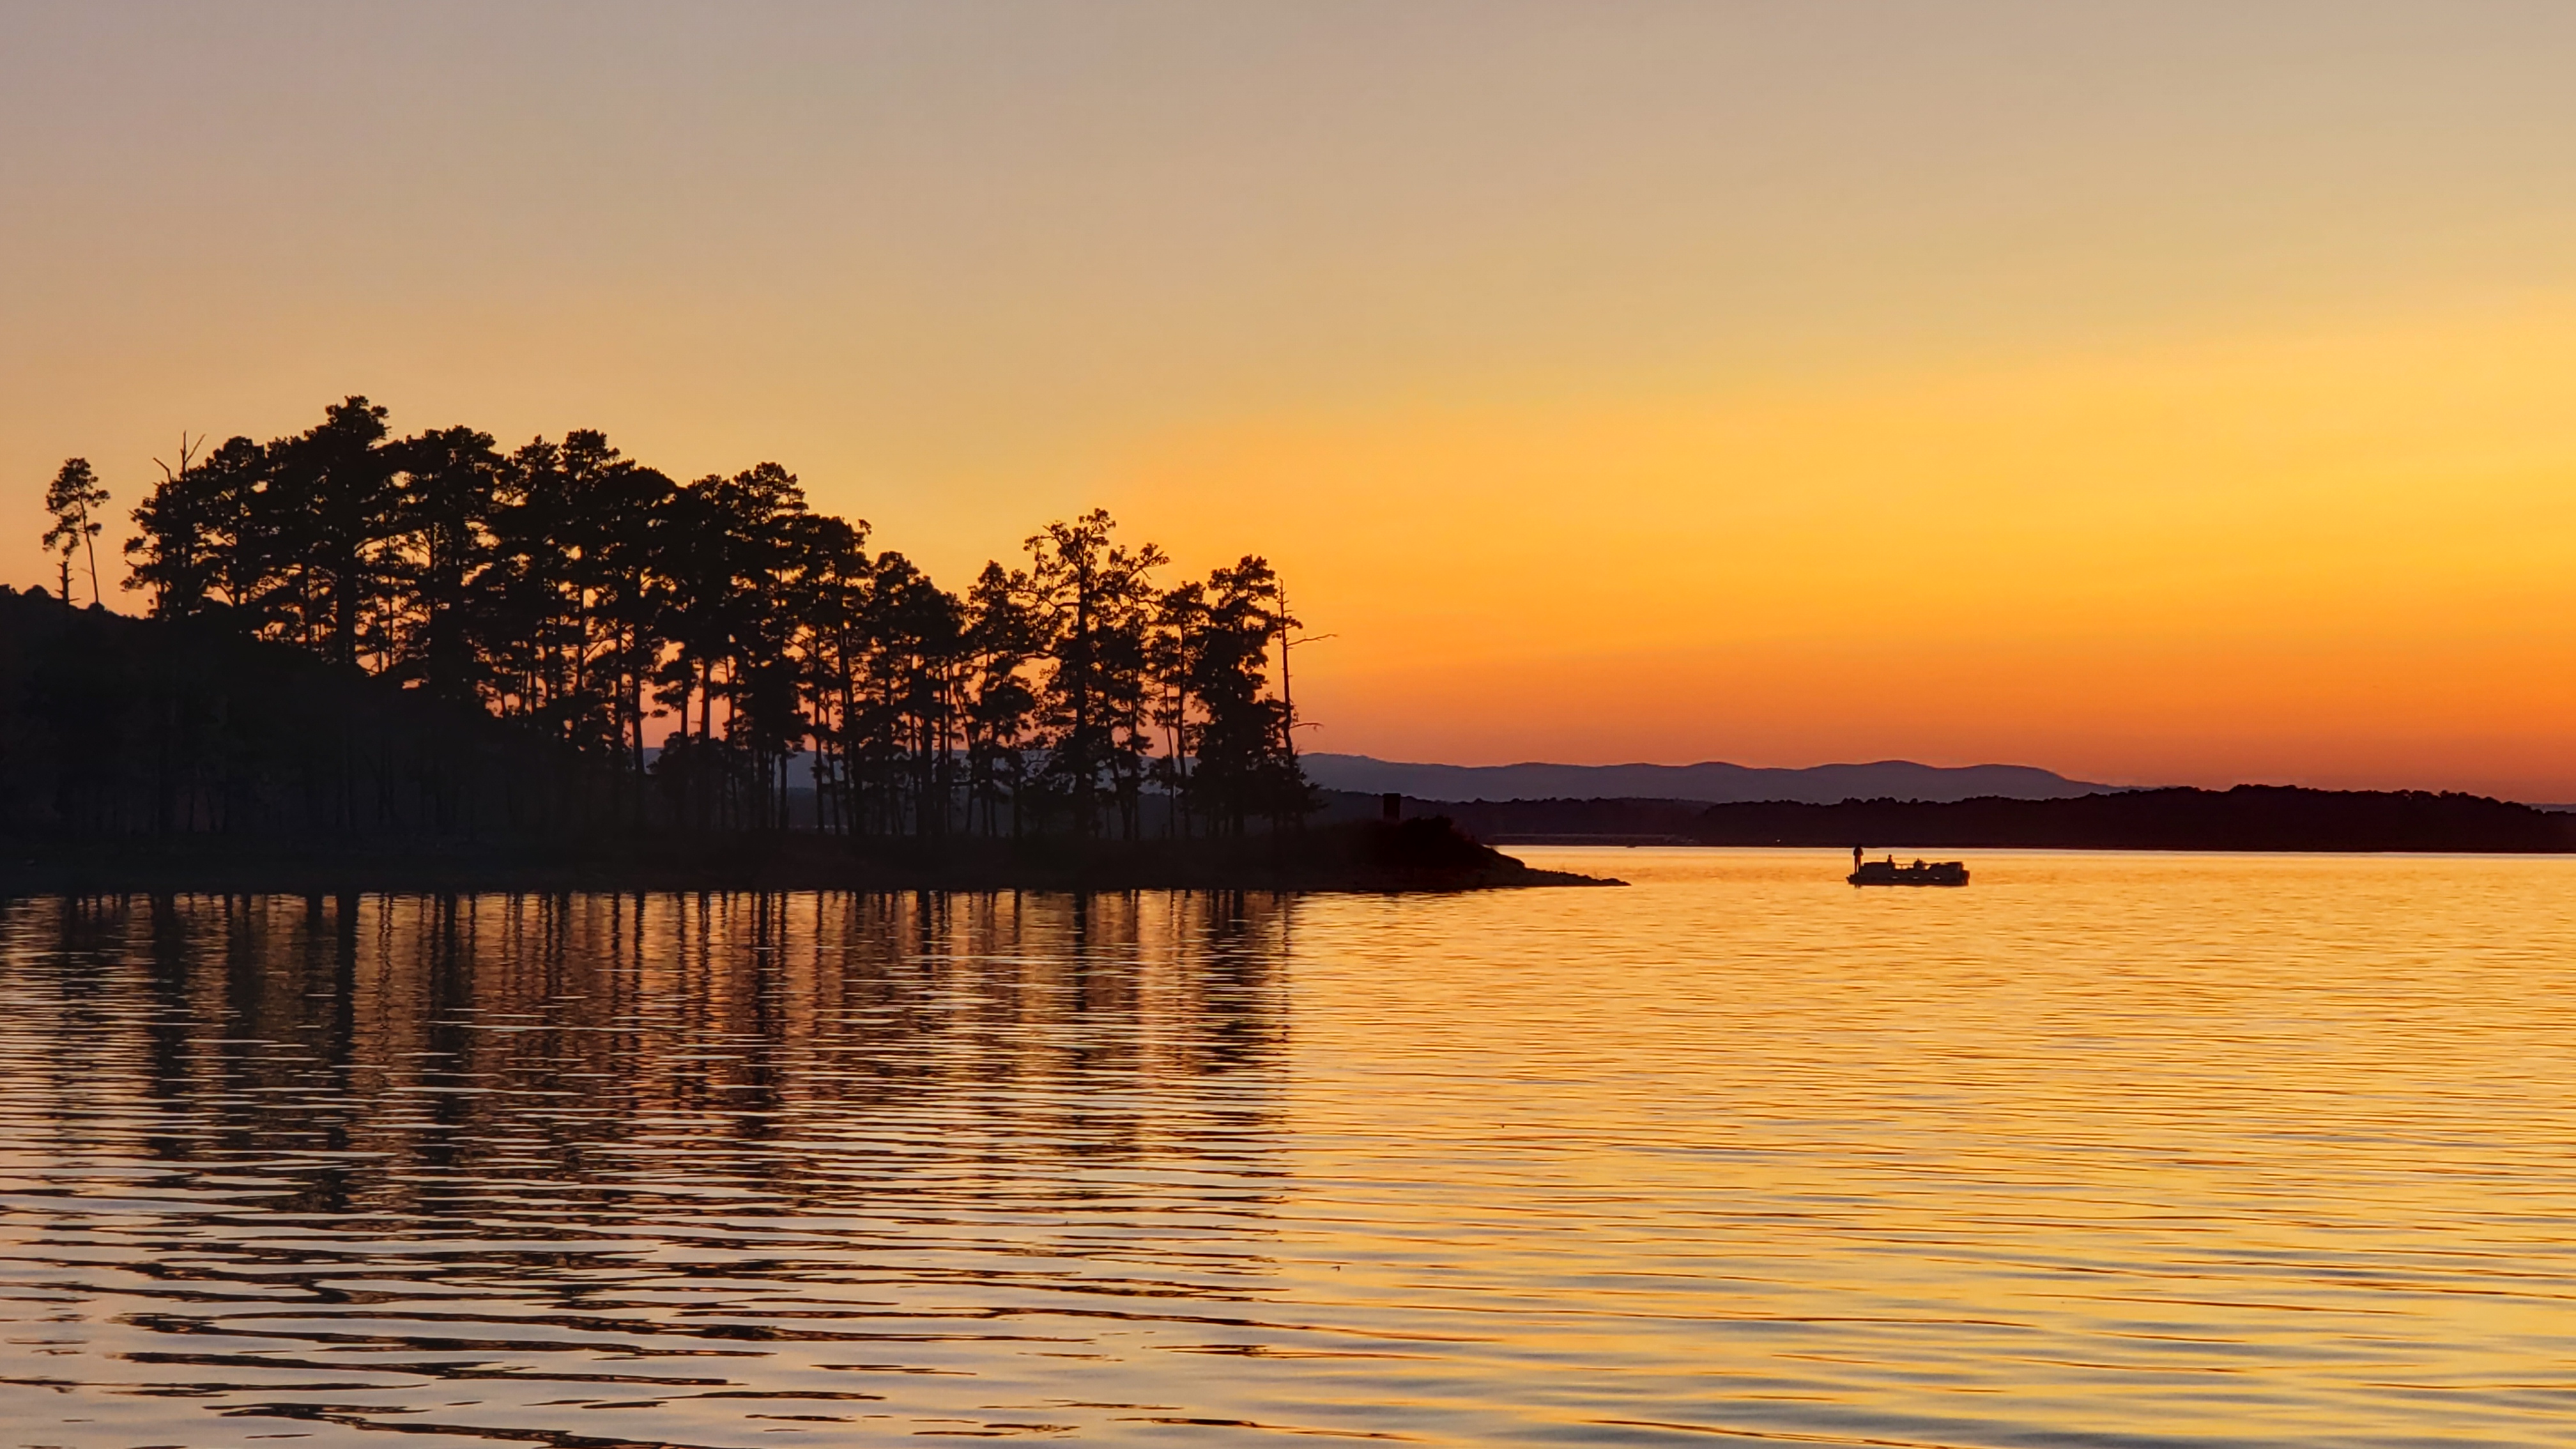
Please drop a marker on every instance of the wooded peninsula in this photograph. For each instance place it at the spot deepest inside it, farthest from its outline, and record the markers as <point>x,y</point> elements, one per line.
<point>373,661</point>
<point>427,660</point>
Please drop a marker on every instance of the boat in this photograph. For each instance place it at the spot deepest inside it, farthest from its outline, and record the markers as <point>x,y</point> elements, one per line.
<point>1920,873</point>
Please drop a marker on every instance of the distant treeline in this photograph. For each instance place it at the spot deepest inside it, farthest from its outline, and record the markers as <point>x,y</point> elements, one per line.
<point>2248,817</point>
<point>664,654</point>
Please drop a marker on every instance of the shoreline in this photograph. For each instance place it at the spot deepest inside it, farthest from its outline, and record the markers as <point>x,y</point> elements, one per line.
<point>1415,856</point>
<point>2246,817</point>
<point>1679,842</point>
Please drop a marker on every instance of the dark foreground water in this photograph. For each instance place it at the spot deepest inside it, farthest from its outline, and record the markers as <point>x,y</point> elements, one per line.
<point>2103,1150</point>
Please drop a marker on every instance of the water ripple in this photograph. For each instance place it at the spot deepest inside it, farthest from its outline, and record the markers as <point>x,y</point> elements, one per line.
<point>2118,1151</point>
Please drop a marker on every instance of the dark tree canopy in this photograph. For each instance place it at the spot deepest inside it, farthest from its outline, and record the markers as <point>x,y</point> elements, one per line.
<point>72,500</point>
<point>716,655</point>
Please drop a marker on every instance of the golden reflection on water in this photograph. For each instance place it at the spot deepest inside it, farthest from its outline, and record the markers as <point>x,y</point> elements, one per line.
<point>2104,1149</point>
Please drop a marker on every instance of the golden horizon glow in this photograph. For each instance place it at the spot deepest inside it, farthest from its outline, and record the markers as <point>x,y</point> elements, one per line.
<point>2152,397</point>
<point>2302,557</point>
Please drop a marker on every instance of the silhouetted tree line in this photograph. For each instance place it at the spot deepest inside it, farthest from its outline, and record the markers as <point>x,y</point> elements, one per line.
<point>115,728</point>
<point>2247,817</point>
<point>591,602</point>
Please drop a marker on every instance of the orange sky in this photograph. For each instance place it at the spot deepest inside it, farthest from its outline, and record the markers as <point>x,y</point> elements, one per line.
<point>2150,393</point>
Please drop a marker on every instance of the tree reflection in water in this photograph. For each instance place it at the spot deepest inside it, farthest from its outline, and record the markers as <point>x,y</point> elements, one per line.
<point>696,1157</point>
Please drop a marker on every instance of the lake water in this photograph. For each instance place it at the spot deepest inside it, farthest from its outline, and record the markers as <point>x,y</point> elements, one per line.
<point>2103,1150</point>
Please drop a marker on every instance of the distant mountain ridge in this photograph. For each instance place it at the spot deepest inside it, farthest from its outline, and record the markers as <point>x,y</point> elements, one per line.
<point>1711,782</point>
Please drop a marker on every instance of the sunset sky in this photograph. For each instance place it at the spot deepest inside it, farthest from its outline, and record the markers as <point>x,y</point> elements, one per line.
<point>2156,393</point>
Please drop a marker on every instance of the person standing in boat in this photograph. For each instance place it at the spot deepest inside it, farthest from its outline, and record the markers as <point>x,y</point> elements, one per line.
<point>1856,857</point>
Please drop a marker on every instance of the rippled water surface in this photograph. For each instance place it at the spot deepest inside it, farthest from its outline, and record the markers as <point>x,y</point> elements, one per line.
<point>2102,1150</point>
